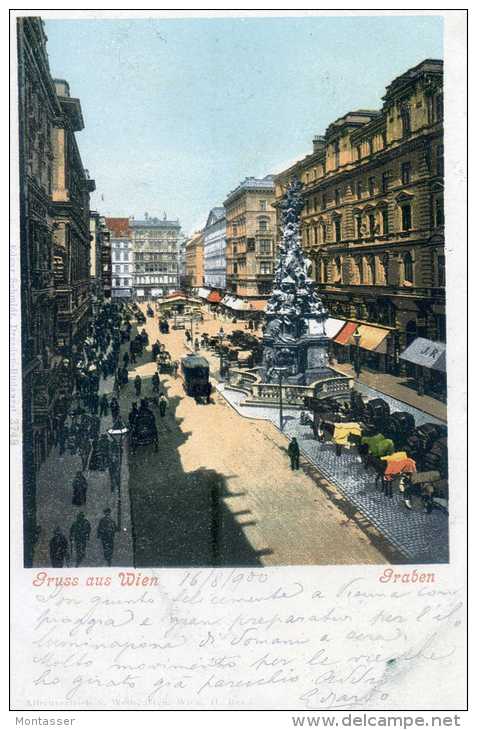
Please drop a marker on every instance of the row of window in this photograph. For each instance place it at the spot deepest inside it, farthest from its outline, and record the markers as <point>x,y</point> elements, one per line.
<point>372,224</point>
<point>373,270</point>
<point>265,267</point>
<point>371,186</point>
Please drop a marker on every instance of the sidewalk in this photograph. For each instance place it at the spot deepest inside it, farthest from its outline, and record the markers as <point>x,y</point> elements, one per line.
<point>54,507</point>
<point>396,387</point>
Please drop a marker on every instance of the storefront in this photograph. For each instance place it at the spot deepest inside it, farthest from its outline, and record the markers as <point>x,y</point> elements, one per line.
<point>426,364</point>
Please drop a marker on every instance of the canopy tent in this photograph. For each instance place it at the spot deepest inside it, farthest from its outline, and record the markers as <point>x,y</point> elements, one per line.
<point>426,353</point>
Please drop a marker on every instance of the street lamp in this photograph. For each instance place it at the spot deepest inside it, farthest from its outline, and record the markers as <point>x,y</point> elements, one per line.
<point>357,364</point>
<point>221,336</point>
<point>281,370</point>
<point>118,433</point>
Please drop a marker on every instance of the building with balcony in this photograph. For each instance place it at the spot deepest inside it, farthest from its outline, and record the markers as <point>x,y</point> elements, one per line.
<point>194,261</point>
<point>71,191</point>
<point>155,256</point>
<point>121,257</point>
<point>250,237</point>
<point>373,221</point>
<point>215,262</point>
<point>54,251</point>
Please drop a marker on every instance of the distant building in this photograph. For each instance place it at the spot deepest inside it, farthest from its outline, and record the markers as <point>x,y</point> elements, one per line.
<point>373,221</point>
<point>251,234</point>
<point>194,261</point>
<point>121,258</point>
<point>155,256</point>
<point>215,261</point>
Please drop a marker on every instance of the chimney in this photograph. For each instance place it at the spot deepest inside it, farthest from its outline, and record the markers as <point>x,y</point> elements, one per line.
<point>318,143</point>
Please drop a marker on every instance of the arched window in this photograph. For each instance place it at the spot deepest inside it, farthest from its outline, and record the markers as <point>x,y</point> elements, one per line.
<point>408,265</point>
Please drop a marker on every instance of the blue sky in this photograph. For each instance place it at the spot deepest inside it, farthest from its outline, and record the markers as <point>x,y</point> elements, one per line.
<point>179,111</point>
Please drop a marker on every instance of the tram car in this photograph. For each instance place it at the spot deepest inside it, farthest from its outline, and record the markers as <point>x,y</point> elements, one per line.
<point>195,373</point>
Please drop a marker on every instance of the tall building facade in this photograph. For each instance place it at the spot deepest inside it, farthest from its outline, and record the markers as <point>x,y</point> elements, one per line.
<point>155,252</point>
<point>98,231</point>
<point>54,251</point>
<point>194,261</point>
<point>215,244</point>
<point>70,206</point>
<point>121,257</point>
<point>250,237</point>
<point>373,221</point>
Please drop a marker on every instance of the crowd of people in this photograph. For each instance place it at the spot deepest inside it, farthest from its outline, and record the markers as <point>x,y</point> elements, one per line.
<point>78,427</point>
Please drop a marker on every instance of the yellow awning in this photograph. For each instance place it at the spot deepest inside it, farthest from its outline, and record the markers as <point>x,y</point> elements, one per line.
<point>372,338</point>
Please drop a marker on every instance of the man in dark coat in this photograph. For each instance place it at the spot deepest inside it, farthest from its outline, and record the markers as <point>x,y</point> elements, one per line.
<point>59,553</point>
<point>162,405</point>
<point>137,385</point>
<point>294,454</point>
<point>103,405</point>
<point>80,489</point>
<point>79,536</point>
<point>107,529</point>
<point>208,391</point>
<point>156,383</point>
<point>132,415</point>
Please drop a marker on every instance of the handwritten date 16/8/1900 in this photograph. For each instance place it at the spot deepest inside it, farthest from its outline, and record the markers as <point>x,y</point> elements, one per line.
<point>128,579</point>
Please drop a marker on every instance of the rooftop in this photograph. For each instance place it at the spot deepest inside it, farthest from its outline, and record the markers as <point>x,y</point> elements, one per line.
<point>253,183</point>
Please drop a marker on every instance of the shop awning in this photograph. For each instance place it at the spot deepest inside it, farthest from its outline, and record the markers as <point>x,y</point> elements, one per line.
<point>333,326</point>
<point>203,293</point>
<point>258,305</point>
<point>372,338</point>
<point>238,305</point>
<point>214,297</point>
<point>347,331</point>
<point>426,353</point>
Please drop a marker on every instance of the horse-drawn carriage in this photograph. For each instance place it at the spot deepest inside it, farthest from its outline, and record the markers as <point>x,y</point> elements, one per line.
<point>144,430</point>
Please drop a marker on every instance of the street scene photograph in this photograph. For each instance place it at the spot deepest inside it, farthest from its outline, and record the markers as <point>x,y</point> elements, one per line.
<point>232,279</point>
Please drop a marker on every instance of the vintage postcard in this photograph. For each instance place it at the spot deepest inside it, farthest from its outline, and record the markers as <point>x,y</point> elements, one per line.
<point>238,363</point>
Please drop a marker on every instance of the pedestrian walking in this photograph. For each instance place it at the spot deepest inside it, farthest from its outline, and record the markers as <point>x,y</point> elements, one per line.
<point>59,553</point>
<point>126,359</point>
<point>208,391</point>
<point>132,415</point>
<point>79,536</point>
<point>80,489</point>
<point>196,345</point>
<point>94,404</point>
<point>62,437</point>
<point>103,452</point>
<point>156,383</point>
<point>114,405</point>
<point>294,454</point>
<point>107,529</point>
<point>137,385</point>
<point>175,368</point>
<point>84,449</point>
<point>162,405</point>
<point>103,405</point>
